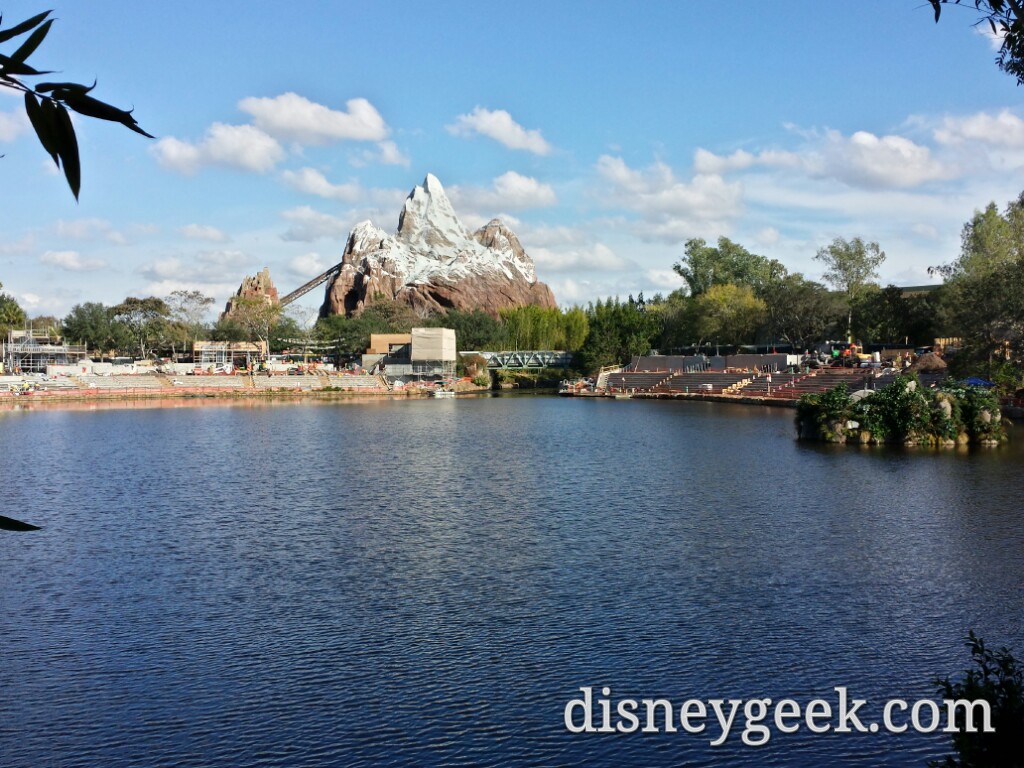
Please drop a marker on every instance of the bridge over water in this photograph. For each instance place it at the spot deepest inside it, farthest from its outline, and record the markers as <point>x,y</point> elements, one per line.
<point>524,359</point>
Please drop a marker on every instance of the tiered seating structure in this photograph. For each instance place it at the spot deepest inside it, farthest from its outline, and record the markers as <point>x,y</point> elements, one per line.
<point>303,381</point>
<point>355,381</point>
<point>783,385</point>
<point>704,382</point>
<point>638,382</point>
<point>121,381</point>
<point>792,386</point>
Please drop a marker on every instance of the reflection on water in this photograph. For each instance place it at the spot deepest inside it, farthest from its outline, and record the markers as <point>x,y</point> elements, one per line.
<point>429,582</point>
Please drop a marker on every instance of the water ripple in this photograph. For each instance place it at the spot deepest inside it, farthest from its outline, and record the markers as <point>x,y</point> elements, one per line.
<point>429,583</point>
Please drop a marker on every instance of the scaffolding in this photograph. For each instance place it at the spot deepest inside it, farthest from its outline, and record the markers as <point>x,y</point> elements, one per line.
<point>236,354</point>
<point>28,351</point>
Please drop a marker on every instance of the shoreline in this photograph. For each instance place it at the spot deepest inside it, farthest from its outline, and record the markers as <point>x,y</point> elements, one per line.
<point>129,396</point>
<point>176,397</point>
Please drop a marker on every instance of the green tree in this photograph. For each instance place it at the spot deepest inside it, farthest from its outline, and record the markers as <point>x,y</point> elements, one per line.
<point>391,315</point>
<point>850,266</point>
<point>576,328</point>
<point>617,331</point>
<point>146,321</point>
<point>93,324</point>
<point>984,288</point>
<point>888,316</point>
<point>47,324</point>
<point>729,313</point>
<point>188,310</point>
<point>474,329</point>
<point>256,317</point>
<point>997,678</point>
<point>703,266</point>
<point>47,103</point>
<point>350,336</point>
<point>801,311</point>
<point>12,316</point>
<point>1004,19</point>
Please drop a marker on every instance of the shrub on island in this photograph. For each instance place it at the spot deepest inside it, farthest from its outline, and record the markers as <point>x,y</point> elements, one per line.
<point>902,413</point>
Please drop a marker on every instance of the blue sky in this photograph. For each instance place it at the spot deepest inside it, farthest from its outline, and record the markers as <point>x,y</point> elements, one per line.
<point>604,133</point>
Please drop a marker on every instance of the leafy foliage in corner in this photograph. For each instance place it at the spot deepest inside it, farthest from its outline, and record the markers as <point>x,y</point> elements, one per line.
<point>47,103</point>
<point>998,678</point>
<point>1004,19</point>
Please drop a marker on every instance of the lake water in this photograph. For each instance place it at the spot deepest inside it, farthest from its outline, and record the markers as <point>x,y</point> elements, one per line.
<point>406,583</point>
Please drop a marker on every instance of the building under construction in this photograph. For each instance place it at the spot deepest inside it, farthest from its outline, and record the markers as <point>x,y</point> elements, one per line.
<point>425,353</point>
<point>28,351</point>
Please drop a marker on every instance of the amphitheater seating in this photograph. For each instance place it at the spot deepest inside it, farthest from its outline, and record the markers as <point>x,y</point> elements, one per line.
<point>354,381</point>
<point>783,385</point>
<point>708,382</point>
<point>641,382</point>
<point>304,381</point>
<point>121,381</point>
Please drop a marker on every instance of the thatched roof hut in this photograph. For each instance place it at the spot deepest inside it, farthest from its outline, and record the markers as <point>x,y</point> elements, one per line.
<point>929,362</point>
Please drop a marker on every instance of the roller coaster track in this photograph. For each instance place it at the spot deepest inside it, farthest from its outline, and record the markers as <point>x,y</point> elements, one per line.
<point>302,290</point>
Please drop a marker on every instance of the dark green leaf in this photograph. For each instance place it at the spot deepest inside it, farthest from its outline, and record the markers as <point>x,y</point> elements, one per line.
<point>10,524</point>
<point>25,26</point>
<point>11,67</point>
<point>67,148</point>
<point>66,87</point>
<point>42,125</point>
<point>87,105</point>
<point>33,41</point>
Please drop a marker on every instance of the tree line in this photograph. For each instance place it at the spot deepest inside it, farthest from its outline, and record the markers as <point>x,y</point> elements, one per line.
<point>731,297</point>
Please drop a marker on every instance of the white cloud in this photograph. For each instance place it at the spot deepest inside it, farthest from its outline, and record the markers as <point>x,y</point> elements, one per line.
<point>862,159</point>
<point>203,232</point>
<point>164,268</point>
<point>12,124</point>
<point>390,154</point>
<point>386,153</point>
<point>220,291</point>
<point>23,245</point>
<point>90,229</point>
<point>666,279</point>
<point>308,265</point>
<point>242,147</point>
<point>70,261</point>
<point>308,225</point>
<point>995,39</point>
<point>214,273</point>
<point>312,182</point>
<point>708,162</point>
<point>291,117</point>
<point>874,162</point>
<point>1002,130</point>
<point>597,258</point>
<point>544,236</point>
<point>511,191</point>
<point>767,236</point>
<point>672,209</point>
<point>499,125</point>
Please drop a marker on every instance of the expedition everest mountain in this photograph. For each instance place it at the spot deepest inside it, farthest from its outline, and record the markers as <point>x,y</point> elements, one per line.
<point>434,263</point>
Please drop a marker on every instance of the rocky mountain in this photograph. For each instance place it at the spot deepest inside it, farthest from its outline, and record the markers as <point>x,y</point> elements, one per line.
<point>258,286</point>
<point>433,263</point>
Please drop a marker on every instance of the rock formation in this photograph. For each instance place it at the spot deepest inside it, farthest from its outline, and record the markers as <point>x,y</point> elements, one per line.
<point>433,263</point>
<point>258,286</point>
